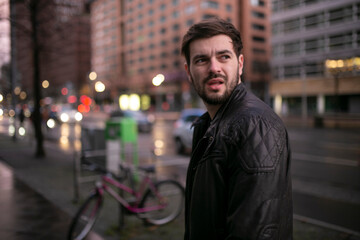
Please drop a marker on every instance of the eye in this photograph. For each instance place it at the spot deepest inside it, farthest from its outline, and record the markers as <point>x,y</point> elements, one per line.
<point>199,60</point>
<point>224,57</point>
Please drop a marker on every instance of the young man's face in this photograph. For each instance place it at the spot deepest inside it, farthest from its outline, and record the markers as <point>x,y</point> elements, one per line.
<point>214,68</point>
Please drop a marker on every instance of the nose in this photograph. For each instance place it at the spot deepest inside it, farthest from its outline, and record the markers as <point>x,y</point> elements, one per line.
<point>214,65</point>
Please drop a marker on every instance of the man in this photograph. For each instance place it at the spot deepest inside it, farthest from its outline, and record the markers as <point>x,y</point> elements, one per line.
<point>238,182</point>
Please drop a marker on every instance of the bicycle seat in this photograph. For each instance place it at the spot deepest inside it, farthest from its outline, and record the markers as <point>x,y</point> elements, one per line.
<point>147,169</point>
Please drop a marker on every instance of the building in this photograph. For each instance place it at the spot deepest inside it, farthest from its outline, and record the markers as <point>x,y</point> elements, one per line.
<point>315,62</point>
<point>63,40</point>
<point>135,40</point>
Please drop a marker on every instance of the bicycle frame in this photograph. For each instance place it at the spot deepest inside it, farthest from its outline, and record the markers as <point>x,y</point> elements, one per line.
<point>102,186</point>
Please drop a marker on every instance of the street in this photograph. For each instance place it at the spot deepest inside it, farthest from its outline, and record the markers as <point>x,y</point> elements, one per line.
<point>325,167</point>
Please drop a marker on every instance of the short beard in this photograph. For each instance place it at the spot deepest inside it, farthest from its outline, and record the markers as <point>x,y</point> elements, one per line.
<point>216,100</point>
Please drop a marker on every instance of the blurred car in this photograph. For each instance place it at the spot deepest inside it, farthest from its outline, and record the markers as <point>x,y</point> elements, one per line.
<point>144,122</point>
<point>67,114</point>
<point>183,131</point>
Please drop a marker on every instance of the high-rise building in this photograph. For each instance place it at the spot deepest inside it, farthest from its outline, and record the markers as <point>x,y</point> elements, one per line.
<point>315,62</point>
<point>135,40</point>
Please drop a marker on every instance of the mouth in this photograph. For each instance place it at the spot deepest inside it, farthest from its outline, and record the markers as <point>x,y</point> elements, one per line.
<point>215,84</point>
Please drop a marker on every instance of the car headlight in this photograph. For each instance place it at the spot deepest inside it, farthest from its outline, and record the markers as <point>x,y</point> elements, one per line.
<point>78,116</point>
<point>64,117</point>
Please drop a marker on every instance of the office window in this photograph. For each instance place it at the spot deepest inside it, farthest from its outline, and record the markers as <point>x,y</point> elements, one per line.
<point>258,39</point>
<point>340,41</point>
<point>257,2</point>
<point>176,27</point>
<point>314,45</point>
<point>275,29</point>
<point>210,4</point>
<point>292,71</point>
<point>175,14</point>
<point>207,16</point>
<point>228,8</point>
<point>162,30</point>
<point>259,51</point>
<point>292,48</point>
<point>289,4</point>
<point>175,2</point>
<point>314,69</point>
<point>189,22</point>
<point>176,39</point>
<point>190,9</point>
<point>258,14</point>
<point>313,21</point>
<point>340,15</point>
<point>292,25</point>
<point>259,27</point>
<point>260,66</point>
<point>162,19</point>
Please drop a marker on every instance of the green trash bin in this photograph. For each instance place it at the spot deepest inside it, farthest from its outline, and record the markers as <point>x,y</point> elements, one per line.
<point>124,130</point>
<point>128,130</point>
<point>113,130</point>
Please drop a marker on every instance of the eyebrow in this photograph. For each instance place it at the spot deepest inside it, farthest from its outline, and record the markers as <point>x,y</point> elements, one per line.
<point>221,52</point>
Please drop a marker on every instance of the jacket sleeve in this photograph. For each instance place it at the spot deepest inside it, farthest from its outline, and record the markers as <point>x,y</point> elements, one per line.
<point>259,194</point>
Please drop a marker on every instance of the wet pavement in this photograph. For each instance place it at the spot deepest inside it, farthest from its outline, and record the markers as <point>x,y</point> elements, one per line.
<point>37,201</point>
<point>25,214</point>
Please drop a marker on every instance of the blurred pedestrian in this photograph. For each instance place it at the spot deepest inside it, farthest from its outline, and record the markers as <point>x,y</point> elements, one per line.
<point>238,182</point>
<point>21,115</point>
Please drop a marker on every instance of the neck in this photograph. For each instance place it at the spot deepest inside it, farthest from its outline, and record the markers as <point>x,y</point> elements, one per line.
<point>212,109</point>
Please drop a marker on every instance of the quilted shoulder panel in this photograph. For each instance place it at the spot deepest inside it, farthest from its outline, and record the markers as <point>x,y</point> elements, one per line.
<point>256,142</point>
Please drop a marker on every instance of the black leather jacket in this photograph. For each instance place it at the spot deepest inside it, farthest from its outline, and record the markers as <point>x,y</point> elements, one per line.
<point>238,182</point>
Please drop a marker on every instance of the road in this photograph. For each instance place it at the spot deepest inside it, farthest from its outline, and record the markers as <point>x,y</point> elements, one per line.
<point>325,168</point>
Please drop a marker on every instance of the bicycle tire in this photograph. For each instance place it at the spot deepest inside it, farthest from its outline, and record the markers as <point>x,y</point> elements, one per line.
<point>85,217</point>
<point>173,193</point>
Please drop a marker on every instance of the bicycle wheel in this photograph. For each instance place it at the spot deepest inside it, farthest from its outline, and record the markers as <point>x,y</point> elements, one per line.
<point>85,218</point>
<point>171,195</point>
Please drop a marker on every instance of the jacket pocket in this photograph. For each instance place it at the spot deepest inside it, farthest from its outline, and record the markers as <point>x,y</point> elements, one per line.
<point>269,232</point>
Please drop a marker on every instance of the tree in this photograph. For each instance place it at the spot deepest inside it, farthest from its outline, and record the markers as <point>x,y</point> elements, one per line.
<point>39,24</point>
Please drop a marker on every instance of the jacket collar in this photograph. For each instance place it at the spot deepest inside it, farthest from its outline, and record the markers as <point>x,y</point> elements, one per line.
<point>237,94</point>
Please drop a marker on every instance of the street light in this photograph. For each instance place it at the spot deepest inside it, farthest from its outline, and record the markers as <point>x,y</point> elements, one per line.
<point>92,76</point>
<point>99,86</point>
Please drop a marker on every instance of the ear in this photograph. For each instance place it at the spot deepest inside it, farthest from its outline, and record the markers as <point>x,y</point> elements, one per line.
<point>186,66</point>
<point>241,64</point>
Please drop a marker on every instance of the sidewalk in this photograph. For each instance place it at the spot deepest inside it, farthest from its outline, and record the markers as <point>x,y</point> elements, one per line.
<point>50,182</point>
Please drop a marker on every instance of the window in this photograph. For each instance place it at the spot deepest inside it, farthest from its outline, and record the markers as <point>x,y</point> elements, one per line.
<point>312,21</point>
<point>257,2</point>
<point>292,25</point>
<point>260,66</point>
<point>340,41</point>
<point>314,69</point>
<point>190,9</point>
<point>162,30</point>
<point>176,27</point>
<point>314,45</point>
<point>340,15</point>
<point>258,14</point>
<point>175,14</point>
<point>292,71</point>
<point>228,8</point>
<point>210,4</point>
<point>258,51</point>
<point>207,16</point>
<point>291,48</point>
<point>258,26</point>
<point>258,39</point>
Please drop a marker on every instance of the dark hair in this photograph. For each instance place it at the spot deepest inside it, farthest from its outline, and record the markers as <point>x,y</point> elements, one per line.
<point>209,28</point>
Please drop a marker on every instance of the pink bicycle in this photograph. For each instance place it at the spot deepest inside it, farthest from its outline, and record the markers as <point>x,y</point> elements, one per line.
<point>155,203</point>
